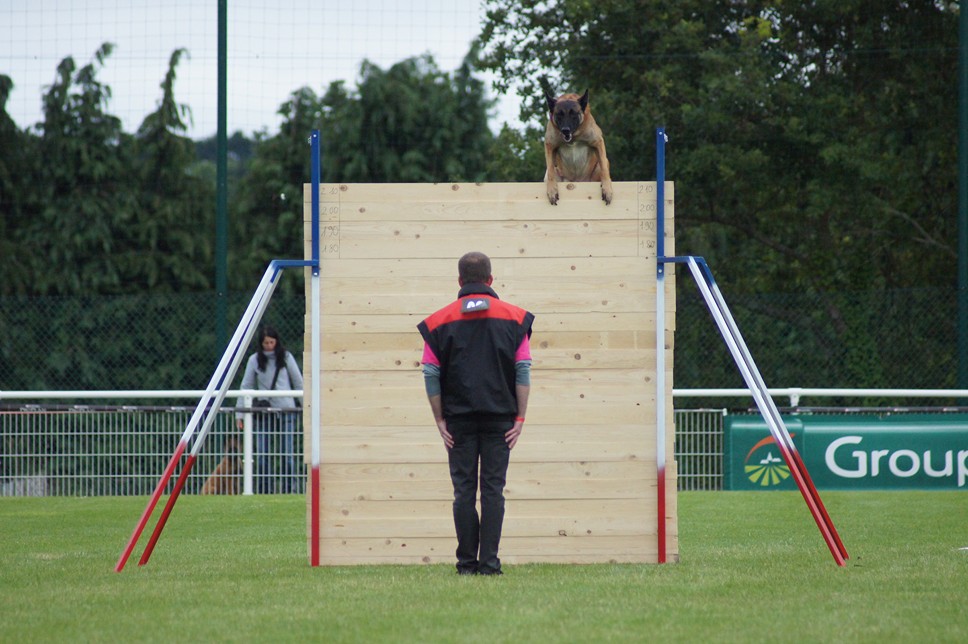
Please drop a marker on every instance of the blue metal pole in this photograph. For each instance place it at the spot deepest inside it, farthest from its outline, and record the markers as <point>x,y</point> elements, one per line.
<point>660,141</point>
<point>314,141</point>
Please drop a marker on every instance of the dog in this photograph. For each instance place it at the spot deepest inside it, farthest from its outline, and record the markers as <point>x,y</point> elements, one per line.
<point>224,478</point>
<point>574,146</point>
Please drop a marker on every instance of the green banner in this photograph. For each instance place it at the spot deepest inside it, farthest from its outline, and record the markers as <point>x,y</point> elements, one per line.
<point>851,452</point>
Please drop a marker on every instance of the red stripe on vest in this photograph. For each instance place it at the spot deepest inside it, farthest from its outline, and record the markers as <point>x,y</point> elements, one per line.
<point>498,310</point>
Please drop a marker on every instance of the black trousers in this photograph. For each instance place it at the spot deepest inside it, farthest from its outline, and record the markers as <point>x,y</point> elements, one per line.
<point>479,447</point>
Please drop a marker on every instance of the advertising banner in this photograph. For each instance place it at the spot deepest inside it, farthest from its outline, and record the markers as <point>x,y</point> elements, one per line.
<point>851,452</point>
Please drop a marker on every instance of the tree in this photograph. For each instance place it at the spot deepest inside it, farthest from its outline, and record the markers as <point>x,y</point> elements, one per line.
<point>84,183</point>
<point>17,164</point>
<point>267,213</point>
<point>410,123</point>
<point>169,246</point>
<point>792,124</point>
<point>810,143</point>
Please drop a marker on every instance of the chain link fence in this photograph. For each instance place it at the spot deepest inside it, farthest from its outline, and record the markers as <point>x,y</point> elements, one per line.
<point>873,339</point>
<point>897,339</point>
<point>128,342</point>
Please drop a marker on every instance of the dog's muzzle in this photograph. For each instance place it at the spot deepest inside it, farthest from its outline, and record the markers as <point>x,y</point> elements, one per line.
<point>566,135</point>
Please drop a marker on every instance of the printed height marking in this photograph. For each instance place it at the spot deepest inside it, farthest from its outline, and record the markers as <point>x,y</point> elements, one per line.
<point>330,234</point>
<point>646,230</point>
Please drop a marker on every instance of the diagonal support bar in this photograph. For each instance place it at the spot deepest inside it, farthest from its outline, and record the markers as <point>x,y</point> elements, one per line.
<point>764,402</point>
<point>208,406</point>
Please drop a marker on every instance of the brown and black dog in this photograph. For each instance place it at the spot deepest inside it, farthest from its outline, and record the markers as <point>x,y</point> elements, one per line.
<point>225,477</point>
<point>574,146</point>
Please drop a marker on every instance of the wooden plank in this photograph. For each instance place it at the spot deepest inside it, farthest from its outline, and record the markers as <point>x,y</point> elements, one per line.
<point>539,412</point>
<point>443,288</point>
<point>508,271</point>
<point>398,474</point>
<point>385,383</point>
<point>588,193</point>
<point>545,321</point>
<point>577,389</point>
<point>441,490</point>
<point>496,211</point>
<point>523,518</point>
<point>564,358</point>
<point>540,304</point>
<point>611,238</point>
<point>521,549</point>
<point>530,451</point>
<point>411,340</point>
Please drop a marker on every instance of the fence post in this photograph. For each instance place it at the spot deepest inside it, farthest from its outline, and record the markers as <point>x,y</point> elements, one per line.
<point>248,457</point>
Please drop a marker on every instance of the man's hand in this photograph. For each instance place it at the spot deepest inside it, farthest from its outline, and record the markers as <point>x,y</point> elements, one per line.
<point>446,435</point>
<point>511,436</point>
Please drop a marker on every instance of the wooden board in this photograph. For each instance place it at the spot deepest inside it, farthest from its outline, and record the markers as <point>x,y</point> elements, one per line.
<point>582,481</point>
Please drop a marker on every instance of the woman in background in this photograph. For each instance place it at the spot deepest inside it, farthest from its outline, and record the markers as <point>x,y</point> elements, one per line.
<point>272,368</point>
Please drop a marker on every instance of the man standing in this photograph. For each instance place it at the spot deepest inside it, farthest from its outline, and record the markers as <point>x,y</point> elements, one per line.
<point>477,371</point>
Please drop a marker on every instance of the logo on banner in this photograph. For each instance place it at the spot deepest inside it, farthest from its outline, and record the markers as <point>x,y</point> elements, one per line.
<point>764,464</point>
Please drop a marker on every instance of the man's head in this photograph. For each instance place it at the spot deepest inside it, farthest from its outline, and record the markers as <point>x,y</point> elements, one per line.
<point>474,268</point>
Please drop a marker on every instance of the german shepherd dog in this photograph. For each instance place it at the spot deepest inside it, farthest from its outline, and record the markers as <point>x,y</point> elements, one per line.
<point>574,146</point>
<point>224,478</point>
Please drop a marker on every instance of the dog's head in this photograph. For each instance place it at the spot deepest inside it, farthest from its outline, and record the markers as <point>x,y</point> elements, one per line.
<point>567,113</point>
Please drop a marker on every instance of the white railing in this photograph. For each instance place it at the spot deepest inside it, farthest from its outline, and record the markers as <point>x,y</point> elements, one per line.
<point>132,434</point>
<point>65,443</point>
<point>147,394</point>
<point>795,394</point>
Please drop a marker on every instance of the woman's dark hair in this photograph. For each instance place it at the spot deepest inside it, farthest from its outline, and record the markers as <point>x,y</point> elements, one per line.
<point>280,352</point>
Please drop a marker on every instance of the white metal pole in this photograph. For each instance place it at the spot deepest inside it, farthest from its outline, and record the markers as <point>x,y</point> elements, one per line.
<point>248,454</point>
<point>242,338</point>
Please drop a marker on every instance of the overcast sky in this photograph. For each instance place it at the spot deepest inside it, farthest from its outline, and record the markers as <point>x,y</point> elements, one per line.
<point>274,48</point>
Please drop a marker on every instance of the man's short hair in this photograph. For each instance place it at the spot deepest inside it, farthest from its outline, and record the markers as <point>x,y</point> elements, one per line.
<point>474,268</point>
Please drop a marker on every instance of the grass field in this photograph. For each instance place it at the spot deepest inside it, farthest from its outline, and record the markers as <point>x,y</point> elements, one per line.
<point>753,568</point>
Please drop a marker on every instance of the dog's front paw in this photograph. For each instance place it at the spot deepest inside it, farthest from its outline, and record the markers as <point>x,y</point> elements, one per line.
<point>552,190</point>
<point>607,192</point>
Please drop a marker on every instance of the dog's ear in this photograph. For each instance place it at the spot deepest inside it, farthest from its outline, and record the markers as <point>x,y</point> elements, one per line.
<point>552,99</point>
<point>583,101</point>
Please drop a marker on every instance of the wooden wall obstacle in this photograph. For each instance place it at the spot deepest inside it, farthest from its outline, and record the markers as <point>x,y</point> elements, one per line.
<point>582,480</point>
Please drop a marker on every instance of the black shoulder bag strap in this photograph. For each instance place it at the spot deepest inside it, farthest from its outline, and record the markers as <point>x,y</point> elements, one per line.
<point>275,377</point>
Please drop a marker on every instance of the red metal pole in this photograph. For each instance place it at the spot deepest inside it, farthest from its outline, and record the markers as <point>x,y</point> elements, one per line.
<point>823,510</point>
<point>163,519</point>
<point>314,514</point>
<point>661,512</point>
<point>139,528</point>
<point>810,495</point>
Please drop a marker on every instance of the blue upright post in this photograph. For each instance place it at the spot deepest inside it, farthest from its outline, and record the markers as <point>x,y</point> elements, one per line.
<point>660,381</point>
<point>314,177</point>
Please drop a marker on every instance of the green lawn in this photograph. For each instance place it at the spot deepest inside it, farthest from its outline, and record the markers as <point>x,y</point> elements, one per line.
<point>754,568</point>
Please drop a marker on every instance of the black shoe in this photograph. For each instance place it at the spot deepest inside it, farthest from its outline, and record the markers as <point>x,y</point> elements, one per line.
<point>486,571</point>
<point>466,571</point>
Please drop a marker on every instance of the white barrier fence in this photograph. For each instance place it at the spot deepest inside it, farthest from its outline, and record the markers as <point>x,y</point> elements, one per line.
<point>89,449</point>
<point>52,448</point>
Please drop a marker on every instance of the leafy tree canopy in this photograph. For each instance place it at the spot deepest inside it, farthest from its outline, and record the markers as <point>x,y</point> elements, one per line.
<point>810,143</point>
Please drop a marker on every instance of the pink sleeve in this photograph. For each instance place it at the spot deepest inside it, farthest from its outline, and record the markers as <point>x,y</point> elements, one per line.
<point>429,357</point>
<point>524,351</point>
